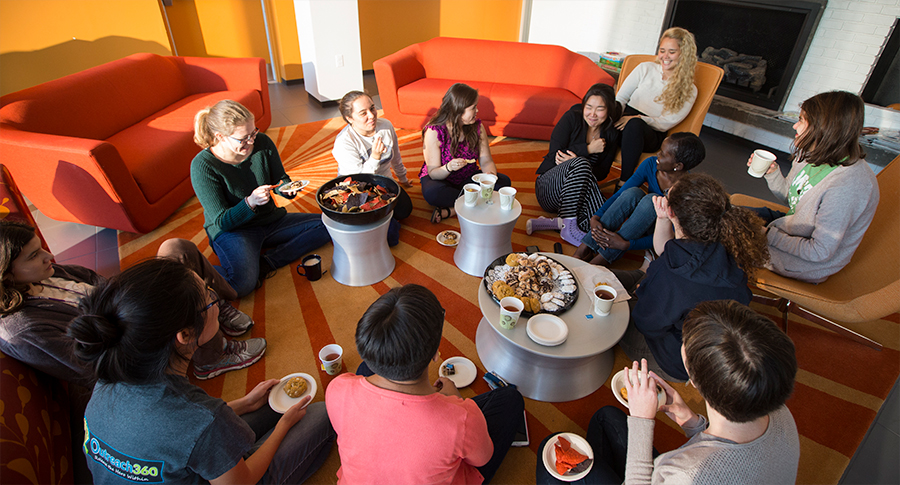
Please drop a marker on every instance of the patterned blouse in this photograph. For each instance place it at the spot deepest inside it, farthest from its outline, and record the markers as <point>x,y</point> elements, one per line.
<point>462,151</point>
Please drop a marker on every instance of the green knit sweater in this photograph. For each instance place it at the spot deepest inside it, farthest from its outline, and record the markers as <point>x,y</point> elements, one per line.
<point>222,188</point>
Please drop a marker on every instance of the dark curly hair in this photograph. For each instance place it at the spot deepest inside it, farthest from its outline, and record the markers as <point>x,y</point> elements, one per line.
<point>705,214</point>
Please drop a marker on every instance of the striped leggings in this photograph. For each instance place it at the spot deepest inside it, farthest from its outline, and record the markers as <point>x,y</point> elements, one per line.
<point>570,190</point>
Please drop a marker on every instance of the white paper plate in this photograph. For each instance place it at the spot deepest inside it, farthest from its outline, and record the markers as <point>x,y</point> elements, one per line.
<point>281,402</point>
<point>443,234</point>
<point>618,382</point>
<point>465,371</point>
<point>580,444</point>
<point>547,329</point>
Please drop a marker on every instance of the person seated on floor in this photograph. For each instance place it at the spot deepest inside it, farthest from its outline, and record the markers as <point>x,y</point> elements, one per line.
<point>454,143</point>
<point>582,148</point>
<point>656,96</point>
<point>39,299</point>
<point>831,191</point>
<point>368,144</point>
<point>706,248</point>
<point>137,332</point>
<point>393,425</point>
<point>744,368</point>
<point>626,220</point>
<point>234,177</point>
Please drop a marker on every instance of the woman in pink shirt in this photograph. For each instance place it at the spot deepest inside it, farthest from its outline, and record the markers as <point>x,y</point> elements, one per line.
<point>393,425</point>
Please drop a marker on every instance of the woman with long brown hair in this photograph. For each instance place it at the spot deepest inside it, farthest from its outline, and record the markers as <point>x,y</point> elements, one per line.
<point>454,145</point>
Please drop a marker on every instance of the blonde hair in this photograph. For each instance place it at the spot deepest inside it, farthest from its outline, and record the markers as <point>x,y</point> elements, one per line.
<point>681,85</point>
<point>222,118</point>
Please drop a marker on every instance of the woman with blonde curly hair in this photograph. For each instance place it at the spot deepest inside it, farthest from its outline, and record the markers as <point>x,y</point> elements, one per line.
<point>656,96</point>
<point>706,248</point>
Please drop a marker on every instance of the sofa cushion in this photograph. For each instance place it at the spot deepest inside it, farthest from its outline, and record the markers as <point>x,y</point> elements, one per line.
<point>36,438</point>
<point>531,105</point>
<point>423,97</point>
<point>97,103</point>
<point>168,135</point>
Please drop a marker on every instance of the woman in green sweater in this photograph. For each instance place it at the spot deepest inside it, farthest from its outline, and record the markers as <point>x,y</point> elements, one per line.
<point>234,177</point>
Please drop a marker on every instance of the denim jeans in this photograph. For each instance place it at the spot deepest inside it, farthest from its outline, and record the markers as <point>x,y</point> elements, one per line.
<point>303,449</point>
<point>631,215</point>
<point>767,215</point>
<point>608,436</point>
<point>286,239</point>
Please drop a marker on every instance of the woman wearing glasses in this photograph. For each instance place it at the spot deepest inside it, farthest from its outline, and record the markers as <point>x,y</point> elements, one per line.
<point>234,177</point>
<point>147,422</point>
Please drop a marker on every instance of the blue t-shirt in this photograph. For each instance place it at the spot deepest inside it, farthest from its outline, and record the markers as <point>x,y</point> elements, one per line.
<point>171,432</point>
<point>646,172</point>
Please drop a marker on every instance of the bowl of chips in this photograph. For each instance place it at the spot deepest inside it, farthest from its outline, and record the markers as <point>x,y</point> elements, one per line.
<point>358,199</point>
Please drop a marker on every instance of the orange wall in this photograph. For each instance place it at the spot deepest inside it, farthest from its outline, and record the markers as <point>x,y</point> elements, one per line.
<point>481,19</point>
<point>218,28</point>
<point>286,43</point>
<point>42,40</point>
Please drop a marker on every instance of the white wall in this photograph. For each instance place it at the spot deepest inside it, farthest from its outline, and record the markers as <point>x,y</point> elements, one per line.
<point>328,32</point>
<point>844,48</point>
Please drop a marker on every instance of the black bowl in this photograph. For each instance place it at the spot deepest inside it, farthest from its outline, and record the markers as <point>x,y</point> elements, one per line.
<point>359,218</point>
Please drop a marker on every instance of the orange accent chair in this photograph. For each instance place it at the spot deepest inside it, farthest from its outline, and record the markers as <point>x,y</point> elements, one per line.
<point>867,289</point>
<point>706,77</point>
<point>112,145</point>
<point>524,88</point>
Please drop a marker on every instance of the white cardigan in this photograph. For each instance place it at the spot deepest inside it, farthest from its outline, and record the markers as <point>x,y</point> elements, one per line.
<point>353,152</point>
<point>640,90</point>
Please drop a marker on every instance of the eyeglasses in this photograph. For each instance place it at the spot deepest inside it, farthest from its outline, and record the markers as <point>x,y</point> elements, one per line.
<point>247,139</point>
<point>214,297</point>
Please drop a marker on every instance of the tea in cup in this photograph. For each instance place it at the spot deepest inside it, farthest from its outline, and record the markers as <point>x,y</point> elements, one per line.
<point>510,309</point>
<point>604,296</point>
<point>507,198</point>
<point>471,192</point>
<point>331,357</point>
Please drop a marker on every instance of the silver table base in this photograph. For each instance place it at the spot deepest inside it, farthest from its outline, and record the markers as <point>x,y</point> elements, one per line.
<point>361,253</point>
<point>485,233</point>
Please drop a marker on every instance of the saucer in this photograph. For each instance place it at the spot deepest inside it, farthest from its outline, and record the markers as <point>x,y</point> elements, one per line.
<point>465,371</point>
<point>547,329</point>
<point>448,238</point>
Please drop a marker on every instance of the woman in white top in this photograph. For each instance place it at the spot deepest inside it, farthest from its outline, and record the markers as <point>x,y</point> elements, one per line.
<point>656,96</point>
<point>368,144</point>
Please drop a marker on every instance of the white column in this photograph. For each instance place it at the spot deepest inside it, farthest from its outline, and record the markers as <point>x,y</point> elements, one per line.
<point>328,31</point>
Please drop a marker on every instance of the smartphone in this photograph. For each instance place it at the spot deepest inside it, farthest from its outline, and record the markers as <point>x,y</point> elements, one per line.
<point>532,249</point>
<point>521,438</point>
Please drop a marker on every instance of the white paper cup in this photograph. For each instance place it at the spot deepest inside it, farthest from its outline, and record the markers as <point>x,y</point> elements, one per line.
<point>330,363</point>
<point>510,309</point>
<point>471,193</point>
<point>507,198</point>
<point>760,162</point>
<point>602,300</point>
<point>487,185</point>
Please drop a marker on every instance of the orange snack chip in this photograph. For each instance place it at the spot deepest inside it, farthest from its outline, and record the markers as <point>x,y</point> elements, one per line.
<point>566,456</point>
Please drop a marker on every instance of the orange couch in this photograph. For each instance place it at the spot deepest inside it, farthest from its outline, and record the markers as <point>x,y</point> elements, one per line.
<point>524,88</point>
<point>111,146</point>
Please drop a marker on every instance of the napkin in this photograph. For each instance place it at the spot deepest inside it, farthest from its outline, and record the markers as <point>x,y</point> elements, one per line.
<point>585,275</point>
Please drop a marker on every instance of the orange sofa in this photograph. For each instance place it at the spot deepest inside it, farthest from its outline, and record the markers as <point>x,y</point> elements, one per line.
<point>524,88</point>
<point>111,146</point>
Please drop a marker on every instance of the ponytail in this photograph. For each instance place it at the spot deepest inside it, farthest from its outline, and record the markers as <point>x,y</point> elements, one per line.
<point>222,118</point>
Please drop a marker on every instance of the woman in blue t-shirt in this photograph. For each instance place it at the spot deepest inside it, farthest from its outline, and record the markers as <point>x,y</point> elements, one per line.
<point>146,422</point>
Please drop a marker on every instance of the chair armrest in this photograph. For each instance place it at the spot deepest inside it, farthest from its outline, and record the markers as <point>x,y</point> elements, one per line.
<point>747,201</point>
<point>395,71</point>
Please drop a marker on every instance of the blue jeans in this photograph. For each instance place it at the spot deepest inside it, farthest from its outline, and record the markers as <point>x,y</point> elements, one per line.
<point>767,215</point>
<point>631,215</point>
<point>303,449</point>
<point>286,239</point>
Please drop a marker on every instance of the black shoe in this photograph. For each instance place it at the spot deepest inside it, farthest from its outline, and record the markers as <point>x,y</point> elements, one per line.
<point>557,248</point>
<point>266,271</point>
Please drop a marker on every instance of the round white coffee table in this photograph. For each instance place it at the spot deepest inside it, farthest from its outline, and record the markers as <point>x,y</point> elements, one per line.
<point>361,253</point>
<point>569,371</point>
<point>485,233</point>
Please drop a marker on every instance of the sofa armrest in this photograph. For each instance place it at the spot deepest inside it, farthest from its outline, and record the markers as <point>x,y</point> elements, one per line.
<point>211,74</point>
<point>395,71</point>
<point>584,74</point>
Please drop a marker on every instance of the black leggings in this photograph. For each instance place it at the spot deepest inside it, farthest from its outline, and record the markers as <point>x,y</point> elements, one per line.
<point>441,193</point>
<point>637,137</point>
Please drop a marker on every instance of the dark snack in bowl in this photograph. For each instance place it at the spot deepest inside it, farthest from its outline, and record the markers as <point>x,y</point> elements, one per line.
<point>356,196</point>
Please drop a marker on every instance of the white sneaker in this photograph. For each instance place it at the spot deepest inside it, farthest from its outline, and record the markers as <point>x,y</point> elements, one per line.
<point>237,355</point>
<point>232,321</point>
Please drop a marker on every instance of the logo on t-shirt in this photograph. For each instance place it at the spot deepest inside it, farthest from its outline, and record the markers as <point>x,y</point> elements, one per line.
<point>127,467</point>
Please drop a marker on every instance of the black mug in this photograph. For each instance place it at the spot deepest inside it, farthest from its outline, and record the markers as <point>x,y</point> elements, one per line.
<point>312,267</point>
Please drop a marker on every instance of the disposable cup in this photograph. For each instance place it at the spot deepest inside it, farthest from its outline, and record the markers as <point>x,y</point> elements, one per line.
<point>507,198</point>
<point>471,192</point>
<point>510,309</point>
<point>760,162</point>
<point>602,300</point>
<point>487,186</point>
<point>330,363</point>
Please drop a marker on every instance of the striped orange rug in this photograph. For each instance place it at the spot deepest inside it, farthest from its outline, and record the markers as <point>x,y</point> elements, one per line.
<point>840,386</point>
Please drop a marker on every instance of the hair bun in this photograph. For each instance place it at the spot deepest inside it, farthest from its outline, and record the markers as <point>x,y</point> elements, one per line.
<point>93,335</point>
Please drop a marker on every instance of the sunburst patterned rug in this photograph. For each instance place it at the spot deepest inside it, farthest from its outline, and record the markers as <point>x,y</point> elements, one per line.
<point>840,385</point>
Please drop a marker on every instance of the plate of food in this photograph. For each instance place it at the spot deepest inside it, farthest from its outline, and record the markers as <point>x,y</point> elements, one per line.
<point>543,284</point>
<point>297,185</point>
<point>568,457</point>
<point>291,389</point>
<point>448,238</point>
<point>618,389</point>
<point>460,370</point>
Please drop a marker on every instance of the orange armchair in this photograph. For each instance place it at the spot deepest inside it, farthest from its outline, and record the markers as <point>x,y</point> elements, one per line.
<point>867,289</point>
<point>111,146</point>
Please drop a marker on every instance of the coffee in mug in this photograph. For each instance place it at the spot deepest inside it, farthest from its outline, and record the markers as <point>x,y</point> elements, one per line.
<point>312,267</point>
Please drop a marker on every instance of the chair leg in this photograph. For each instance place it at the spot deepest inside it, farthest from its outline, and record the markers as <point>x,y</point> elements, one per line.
<point>840,330</point>
<point>606,184</point>
<point>779,303</point>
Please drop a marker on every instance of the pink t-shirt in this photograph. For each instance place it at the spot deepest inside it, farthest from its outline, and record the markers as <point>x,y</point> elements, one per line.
<point>389,437</point>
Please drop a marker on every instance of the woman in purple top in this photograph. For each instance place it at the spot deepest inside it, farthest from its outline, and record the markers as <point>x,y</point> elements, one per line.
<point>454,146</point>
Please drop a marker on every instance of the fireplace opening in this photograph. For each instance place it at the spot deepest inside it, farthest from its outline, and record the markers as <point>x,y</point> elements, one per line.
<point>759,44</point>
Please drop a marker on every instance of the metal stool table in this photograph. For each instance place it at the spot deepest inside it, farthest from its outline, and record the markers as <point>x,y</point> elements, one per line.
<point>485,233</point>
<point>361,253</point>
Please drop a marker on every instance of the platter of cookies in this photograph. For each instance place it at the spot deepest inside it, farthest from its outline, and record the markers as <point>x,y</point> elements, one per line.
<point>291,389</point>
<point>543,284</point>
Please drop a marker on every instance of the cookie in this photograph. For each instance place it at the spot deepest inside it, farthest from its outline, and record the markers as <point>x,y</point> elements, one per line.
<point>295,387</point>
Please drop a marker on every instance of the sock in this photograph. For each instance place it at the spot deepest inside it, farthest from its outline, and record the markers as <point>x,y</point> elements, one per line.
<point>570,232</point>
<point>542,224</point>
<point>393,235</point>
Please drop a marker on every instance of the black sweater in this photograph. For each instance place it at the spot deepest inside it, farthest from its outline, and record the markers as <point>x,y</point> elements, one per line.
<point>571,134</point>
